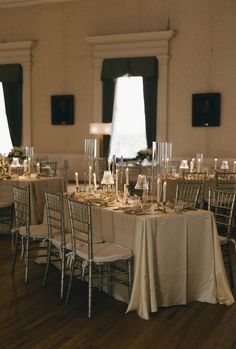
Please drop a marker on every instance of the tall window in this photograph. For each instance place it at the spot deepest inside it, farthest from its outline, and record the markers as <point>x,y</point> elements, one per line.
<point>125,120</point>
<point>128,121</point>
<point>5,139</point>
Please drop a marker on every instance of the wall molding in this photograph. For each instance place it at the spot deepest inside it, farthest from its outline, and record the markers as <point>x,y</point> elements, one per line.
<point>21,52</point>
<point>134,45</point>
<point>19,3</point>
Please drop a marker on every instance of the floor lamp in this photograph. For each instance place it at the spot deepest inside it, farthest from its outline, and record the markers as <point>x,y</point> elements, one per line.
<point>100,130</point>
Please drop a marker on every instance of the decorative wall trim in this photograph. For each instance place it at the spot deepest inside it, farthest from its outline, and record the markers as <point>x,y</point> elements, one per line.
<point>134,45</point>
<point>21,52</point>
<point>18,3</point>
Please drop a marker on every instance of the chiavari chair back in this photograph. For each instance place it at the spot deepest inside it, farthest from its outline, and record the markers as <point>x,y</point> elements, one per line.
<point>26,235</point>
<point>96,262</point>
<point>187,194</point>
<point>59,242</point>
<point>222,204</point>
<point>225,180</point>
<point>197,179</point>
<point>48,168</point>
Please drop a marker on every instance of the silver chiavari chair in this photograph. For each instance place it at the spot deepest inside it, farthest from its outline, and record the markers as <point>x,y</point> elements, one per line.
<point>197,179</point>
<point>222,204</point>
<point>58,241</point>
<point>26,236</point>
<point>100,264</point>
<point>187,194</point>
<point>225,180</point>
<point>48,168</point>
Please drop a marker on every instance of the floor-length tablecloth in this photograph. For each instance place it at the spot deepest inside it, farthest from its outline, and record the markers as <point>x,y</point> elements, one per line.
<point>177,257</point>
<point>37,189</point>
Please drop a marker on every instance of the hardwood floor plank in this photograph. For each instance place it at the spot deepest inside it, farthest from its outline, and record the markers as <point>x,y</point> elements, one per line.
<point>32,317</point>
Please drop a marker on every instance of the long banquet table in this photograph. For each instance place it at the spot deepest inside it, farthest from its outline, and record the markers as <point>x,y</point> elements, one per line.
<point>177,257</point>
<point>37,188</point>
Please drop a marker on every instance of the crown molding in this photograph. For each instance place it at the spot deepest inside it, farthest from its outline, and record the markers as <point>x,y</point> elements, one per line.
<point>20,3</point>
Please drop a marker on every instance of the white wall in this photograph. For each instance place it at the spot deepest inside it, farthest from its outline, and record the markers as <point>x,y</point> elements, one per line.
<point>202,59</point>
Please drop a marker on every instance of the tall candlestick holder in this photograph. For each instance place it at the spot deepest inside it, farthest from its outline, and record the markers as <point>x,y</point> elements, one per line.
<point>164,207</point>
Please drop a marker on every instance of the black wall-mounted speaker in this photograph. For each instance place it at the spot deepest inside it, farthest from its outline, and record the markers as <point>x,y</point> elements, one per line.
<point>206,109</point>
<point>62,110</point>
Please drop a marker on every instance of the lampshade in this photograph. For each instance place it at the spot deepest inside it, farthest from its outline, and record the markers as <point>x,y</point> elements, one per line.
<point>100,128</point>
<point>184,165</point>
<point>141,183</point>
<point>224,165</point>
<point>107,178</point>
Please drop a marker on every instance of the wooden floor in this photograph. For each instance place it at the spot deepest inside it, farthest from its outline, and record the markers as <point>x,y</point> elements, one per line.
<point>34,318</point>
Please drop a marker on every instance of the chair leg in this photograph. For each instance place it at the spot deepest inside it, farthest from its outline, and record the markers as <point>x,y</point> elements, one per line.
<point>47,263</point>
<point>100,278</point>
<point>70,281</point>
<point>109,271</point>
<point>16,238</point>
<point>90,290</point>
<point>229,262</point>
<point>26,260</point>
<point>130,277</point>
<point>62,272</point>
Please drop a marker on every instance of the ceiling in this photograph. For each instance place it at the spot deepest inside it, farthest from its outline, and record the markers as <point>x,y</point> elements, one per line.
<point>17,3</point>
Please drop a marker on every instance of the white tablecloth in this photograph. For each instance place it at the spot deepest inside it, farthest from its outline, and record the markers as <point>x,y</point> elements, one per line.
<point>37,188</point>
<point>177,257</point>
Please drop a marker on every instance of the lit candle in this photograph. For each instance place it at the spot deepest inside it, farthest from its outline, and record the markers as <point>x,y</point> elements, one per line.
<point>25,165</point>
<point>199,165</point>
<point>76,179</point>
<point>215,163</point>
<point>191,166</point>
<point>164,191</point>
<point>127,175</point>
<point>38,167</point>
<point>29,164</point>
<point>95,181</point>
<point>158,190</point>
<point>234,167</point>
<point>90,176</point>
<point>167,164</point>
<point>117,181</point>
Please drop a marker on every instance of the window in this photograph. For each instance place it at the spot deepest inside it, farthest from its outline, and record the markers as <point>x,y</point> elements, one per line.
<point>145,67</point>
<point>5,139</point>
<point>128,121</point>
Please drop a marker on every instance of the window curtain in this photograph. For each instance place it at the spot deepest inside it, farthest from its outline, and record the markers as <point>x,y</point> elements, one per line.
<point>147,67</point>
<point>11,76</point>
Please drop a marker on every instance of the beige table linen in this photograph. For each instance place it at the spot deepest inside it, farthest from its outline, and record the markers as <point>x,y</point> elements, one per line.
<point>37,189</point>
<point>177,258</point>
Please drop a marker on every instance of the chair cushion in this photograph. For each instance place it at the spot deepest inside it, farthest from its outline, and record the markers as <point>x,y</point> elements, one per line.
<point>56,241</point>
<point>96,239</point>
<point>39,231</point>
<point>105,252</point>
<point>222,239</point>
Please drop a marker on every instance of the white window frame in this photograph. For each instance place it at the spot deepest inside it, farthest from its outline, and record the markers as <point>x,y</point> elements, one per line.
<point>20,52</point>
<point>134,45</point>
